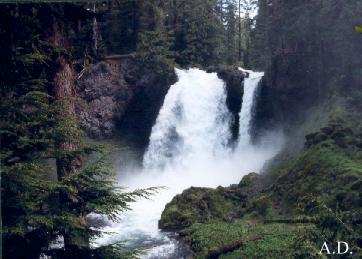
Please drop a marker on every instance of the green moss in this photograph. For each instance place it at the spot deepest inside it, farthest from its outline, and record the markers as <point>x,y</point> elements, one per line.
<point>321,170</point>
<point>205,205</point>
<point>250,240</point>
<point>261,205</point>
<point>248,180</point>
<point>199,205</point>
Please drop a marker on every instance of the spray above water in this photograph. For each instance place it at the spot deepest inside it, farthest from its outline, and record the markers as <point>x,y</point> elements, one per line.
<point>189,147</point>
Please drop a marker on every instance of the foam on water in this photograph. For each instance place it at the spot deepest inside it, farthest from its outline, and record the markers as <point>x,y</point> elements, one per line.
<point>189,147</point>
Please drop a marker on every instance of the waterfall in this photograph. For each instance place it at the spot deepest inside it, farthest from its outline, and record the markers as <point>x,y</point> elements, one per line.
<point>188,147</point>
<point>245,116</point>
<point>193,123</point>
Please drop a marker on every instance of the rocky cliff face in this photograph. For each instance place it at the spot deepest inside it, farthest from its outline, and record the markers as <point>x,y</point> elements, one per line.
<point>118,94</point>
<point>310,53</point>
<point>104,95</point>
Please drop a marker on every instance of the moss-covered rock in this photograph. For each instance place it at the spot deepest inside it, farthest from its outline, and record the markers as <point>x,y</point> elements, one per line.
<point>326,167</point>
<point>204,205</point>
<point>200,205</point>
<point>341,133</point>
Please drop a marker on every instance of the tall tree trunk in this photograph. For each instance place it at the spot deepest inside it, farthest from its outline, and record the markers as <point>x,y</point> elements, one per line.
<point>64,93</point>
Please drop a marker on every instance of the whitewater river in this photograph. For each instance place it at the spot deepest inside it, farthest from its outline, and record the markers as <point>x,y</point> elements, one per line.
<point>189,147</point>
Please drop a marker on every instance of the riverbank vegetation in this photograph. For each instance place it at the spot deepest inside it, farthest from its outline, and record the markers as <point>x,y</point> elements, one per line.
<point>310,192</point>
<point>302,202</point>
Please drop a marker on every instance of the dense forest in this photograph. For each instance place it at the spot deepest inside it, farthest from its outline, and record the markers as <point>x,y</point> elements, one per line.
<point>188,33</point>
<point>54,74</point>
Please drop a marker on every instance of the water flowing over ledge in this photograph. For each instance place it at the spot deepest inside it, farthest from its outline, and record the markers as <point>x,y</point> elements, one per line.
<point>193,123</point>
<point>251,84</point>
<point>189,146</point>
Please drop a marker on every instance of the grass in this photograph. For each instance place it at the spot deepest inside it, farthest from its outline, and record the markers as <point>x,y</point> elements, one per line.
<point>248,239</point>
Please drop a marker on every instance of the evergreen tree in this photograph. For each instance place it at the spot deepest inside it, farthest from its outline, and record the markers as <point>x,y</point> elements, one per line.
<point>259,52</point>
<point>154,41</point>
<point>245,39</point>
<point>199,34</point>
<point>231,33</point>
<point>120,26</point>
<point>42,201</point>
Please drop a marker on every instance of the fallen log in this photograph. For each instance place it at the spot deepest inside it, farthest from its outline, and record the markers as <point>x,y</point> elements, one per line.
<point>213,254</point>
<point>118,57</point>
<point>306,221</point>
<point>291,221</point>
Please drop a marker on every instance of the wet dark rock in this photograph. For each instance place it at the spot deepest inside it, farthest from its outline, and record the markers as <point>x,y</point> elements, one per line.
<point>120,95</point>
<point>233,79</point>
<point>141,112</point>
<point>103,96</point>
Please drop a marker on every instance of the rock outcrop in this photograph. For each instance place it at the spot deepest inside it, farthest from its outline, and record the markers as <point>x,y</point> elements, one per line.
<point>233,79</point>
<point>205,205</point>
<point>118,93</point>
<point>310,52</point>
<point>103,94</point>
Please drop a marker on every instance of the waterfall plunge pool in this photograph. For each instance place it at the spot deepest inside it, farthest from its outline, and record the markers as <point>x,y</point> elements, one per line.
<point>188,147</point>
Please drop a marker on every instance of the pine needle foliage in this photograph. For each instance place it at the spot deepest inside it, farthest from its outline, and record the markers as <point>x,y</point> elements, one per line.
<point>39,205</point>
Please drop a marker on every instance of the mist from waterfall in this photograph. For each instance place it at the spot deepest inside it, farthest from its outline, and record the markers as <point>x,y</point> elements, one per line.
<point>189,146</point>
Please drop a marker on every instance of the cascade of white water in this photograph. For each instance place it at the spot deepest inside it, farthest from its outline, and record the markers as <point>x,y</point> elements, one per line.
<point>250,86</point>
<point>188,147</point>
<point>193,122</point>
